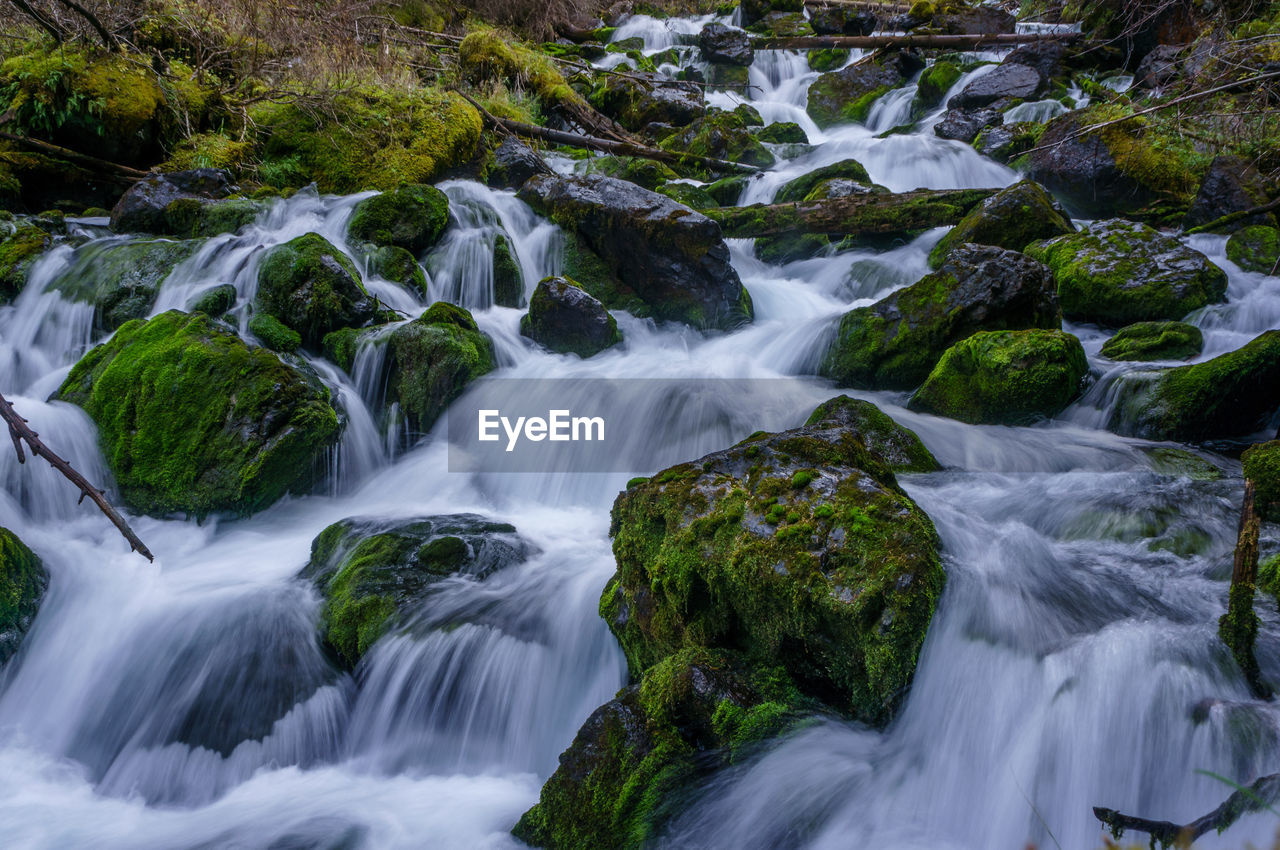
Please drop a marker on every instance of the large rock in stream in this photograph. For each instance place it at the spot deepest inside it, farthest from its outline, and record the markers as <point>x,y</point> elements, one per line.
<point>896,342</point>
<point>671,259</point>
<point>564,318</point>
<point>756,584</point>
<point>1012,218</point>
<point>184,204</point>
<point>848,94</point>
<point>193,420</point>
<point>312,288</point>
<point>23,582</point>
<point>121,279</point>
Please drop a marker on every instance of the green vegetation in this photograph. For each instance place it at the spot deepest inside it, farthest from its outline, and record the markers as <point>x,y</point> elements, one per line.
<point>18,251</point>
<point>1262,467</point>
<point>435,357</point>
<point>1155,341</point>
<point>1255,249</point>
<point>23,581</point>
<point>312,288</point>
<point>411,217</point>
<point>896,446</point>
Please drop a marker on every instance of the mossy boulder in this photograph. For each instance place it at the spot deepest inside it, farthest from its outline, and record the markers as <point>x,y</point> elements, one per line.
<point>393,263</point>
<point>897,446</point>
<point>189,218</point>
<point>638,759</point>
<point>896,342</point>
<point>755,10</point>
<point>790,247</point>
<point>640,99</point>
<point>1255,249</point>
<point>821,182</point>
<point>1007,81</point>
<point>847,95</point>
<point>191,419</point>
<point>19,249</point>
<point>375,575</point>
<point>313,288</point>
<point>171,204</point>
<point>433,359</point>
<point>273,334</point>
<point>121,279</point>
<point>689,195</point>
<point>782,25</point>
<point>643,172</point>
<point>827,59</point>
<point>215,301</point>
<point>1155,341</point>
<point>1117,272</point>
<point>564,318</point>
<point>410,217</point>
<point>1231,395</point>
<point>23,582</point>
<point>783,133</point>
<point>934,83</point>
<point>795,549</point>
<point>1262,467</point>
<point>1012,218</point>
<point>720,135</point>
<point>508,278</point>
<point>1231,185</point>
<point>1005,378</point>
<point>669,257</point>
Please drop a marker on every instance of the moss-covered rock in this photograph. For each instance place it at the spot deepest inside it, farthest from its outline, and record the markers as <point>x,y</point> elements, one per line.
<point>313,288</point>
<point>1262,467</point>
<point>719,135</point>
<point>896,342</point>
<point>374,575</point>
<point>638,100</point>
<point>783,133</point>
<point>508,279</point>
<point>1228,396</point>
<point>817,184</point>
<point>433,358</point>
<point>637,760</point>
<point>19,249</point>
<point>272,333</point>
<point>795,549</point>
<point>642,172</point>
<point>1155,341</point>
<point>214,302</point>
<point>1255,249</point>
<point>897,446</point>
<point>1012,218</point>
<point>192,419</point>
<point>410,216</point>
<point>23,582</point>
<point>790,247</point>
<point>189,218</point>
<point>181,204</point>
<point>1118,272</point>
<point>827,59</point>
<point>121,279</point>
<point>934,83</point>
<point>780,24</point>
<point>694,197</point>
<point>1005,378</point>
<point>847,95</point>
<point>564,318</point>
<point>393,263</point>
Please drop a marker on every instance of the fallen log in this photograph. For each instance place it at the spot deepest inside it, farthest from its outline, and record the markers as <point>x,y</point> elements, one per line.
<point>965,41</point>
<point>114,170</point>
<point>20,432</point>
<point>1258,796</point>
<point>874,214</point>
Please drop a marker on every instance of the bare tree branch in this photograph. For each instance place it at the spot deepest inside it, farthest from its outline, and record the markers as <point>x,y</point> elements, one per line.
<point>1258,796</point>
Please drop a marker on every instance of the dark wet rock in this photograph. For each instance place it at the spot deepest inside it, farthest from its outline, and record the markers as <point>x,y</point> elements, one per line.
<point>848,94</point>
<point>640,99</point>
<point>141,209</point>
<point>1117,272</point>
<point>835,180</point>
<point>783,133</point>
<point>1231,185</point>
<point>23,582</point>
<point>836,20</point>
<point>1045,56</point>
<point>638,170</point>
<point>432,360</point>
<point>513,163</point>
<point>1229,396</point>
<point>1012,218</point>
<point>564,318</point>
<point>121,279</point>
<point>1005,142</point>
<point>412,217</point>
<point>964,125</point>
<point>782,25</point>
<point>376,575</point>
<point>672,259</point>
<point>1082,172</point>
<point>725,46</point>
<point>1155,341</point>
<point>1255,249</point>
<point>754,10</point>
<point>193,420</point>
<point>313,288</point>
<point>983,19</point>
<point>896,342</point>
<point>790,247</point>
<point>1160,67</point>
<point>1015,82</point>
<point>508,279</point>
<point>730,136</point>
<point>897,446</point>
<point>1005,378</point>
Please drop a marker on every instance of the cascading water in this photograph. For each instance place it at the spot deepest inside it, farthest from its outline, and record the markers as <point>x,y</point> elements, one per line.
<point>188,703</point>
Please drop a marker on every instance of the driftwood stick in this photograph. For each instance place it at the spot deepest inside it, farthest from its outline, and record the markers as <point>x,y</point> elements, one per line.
<point>1260,795</point>
<point>113,169</point>
<point>874,213</point>
<point>970,41</point>
<point>20,432</point>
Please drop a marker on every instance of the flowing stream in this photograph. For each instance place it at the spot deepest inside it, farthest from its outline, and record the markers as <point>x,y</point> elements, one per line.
<point>187,703</point>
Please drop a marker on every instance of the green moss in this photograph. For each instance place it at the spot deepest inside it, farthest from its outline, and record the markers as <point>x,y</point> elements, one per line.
<point>934,83</point>
<point>1012,218</point>
<point>1255,249</point>
<point>579,327</point>
<point>1005,377</point>
<point>1153,154</point>
<point>214,302</point>
<point>209,150</point>
<point>121,279</point>
<point>393,263</point>
<point>189,218</point>
<point>18,251</point>
<point>1262,467</point>
<point>1238,629</point>
<point>897,446</point>
<point>486,55</point>
<point>312,287</point>
<point>828,58</point>
<point>719,135</point>
<point>508,278</point>
<point>1155,341</point>
<point>642,172</point>
<point>783,133</point>
<point>694,197</point>
<point>436,356</point>
<point>340,347</point>
<point>410,217</point>
<point>191,419</point>
<point>274,335</point>
<point>804,186</point>
<point>23,582</point>
<point>789,247</point>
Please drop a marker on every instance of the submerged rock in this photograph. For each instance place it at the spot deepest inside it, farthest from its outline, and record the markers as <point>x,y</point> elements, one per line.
<point>1005,378</point>
<point>374,575</point>
<point>1012,218</point>
<point>23,582</point>
<point>1155,341</point>
<point>411,217</point>
<point>896,342</point>
<point>191,419</point>
<point>1117,272</point>
<point>1229,396</point>
<point>313,288</point>
<point>1255,249</point>
<point>670,258</point>
<point>897,446</point>
<point>433,359</point>
<point>214,302</point>
<point>508,279</point>
<point>848,94</point>
<point>565,319</point>
<point>121,279</point>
